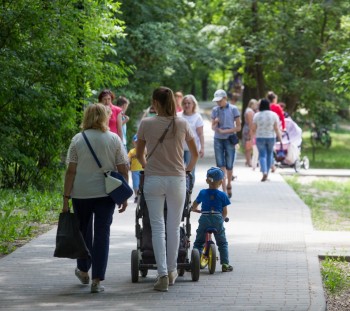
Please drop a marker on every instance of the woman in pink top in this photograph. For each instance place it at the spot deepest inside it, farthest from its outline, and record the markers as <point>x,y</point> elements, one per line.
<point>165,179</point>
<point>106,97</point>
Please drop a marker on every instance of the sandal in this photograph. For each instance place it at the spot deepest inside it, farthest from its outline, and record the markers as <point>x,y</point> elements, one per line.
<point>229,191</point>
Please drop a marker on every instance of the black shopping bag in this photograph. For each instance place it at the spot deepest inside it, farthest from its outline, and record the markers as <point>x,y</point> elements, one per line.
<point>69,240</point>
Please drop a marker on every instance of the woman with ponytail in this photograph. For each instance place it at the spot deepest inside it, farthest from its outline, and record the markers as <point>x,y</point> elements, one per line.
<point>165,179</point>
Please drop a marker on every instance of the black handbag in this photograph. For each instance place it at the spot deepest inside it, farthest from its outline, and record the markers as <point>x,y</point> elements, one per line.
<point>69,240</point>
<point>121,191</point>
<point>233,138</point>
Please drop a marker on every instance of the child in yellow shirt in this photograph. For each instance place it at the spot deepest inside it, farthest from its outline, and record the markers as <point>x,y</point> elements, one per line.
<point>135,167</point>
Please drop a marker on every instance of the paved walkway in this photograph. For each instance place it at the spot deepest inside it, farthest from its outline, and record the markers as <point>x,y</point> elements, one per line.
<point>272,246</point>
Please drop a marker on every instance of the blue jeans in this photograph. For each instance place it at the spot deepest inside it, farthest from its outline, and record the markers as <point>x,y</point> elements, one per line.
<point>99,213</point>
<point>265,147</point>
<point>187,159</point>
<point>214,221</point>
<point>165,239</point>
<point>225,153</point>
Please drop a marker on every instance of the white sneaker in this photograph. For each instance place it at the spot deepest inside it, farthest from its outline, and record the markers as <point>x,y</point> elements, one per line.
<point>97,288</point>
<point>172,277</point>
<point>162,284</point>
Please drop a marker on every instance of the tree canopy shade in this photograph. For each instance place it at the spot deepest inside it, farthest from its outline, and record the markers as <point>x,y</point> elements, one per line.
<point>52,55</point>
<point>56,55</point>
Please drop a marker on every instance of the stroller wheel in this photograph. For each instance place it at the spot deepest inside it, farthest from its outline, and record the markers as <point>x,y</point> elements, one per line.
<point>144,272</point>
<point>195,265</point>
<point>306,162</point>
<point>134,266</point>
<point>297,166</point>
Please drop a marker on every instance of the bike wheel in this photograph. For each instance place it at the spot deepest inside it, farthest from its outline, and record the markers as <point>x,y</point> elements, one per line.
<point>204,259</point>
<point>212,258</point>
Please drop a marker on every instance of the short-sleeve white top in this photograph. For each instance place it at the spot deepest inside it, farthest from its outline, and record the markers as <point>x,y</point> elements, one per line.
<point>265,121</point>
<point>89,180</point>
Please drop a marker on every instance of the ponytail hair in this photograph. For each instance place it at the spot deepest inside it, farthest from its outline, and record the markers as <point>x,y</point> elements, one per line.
<point>166,99</point>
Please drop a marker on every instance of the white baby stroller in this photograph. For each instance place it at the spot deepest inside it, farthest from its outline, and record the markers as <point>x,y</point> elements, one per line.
<point>287,152</point>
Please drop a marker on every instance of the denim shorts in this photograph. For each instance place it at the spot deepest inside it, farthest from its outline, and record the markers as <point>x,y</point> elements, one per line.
<point>225,153</point>
<point>135,179</point>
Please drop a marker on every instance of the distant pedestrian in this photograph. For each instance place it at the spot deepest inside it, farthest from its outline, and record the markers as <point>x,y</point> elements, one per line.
<point>213,213</point>
<point>123,103</point>
<point>179,96</point>
<point>247,132</point>
<point>106,98</point>
<point>266,128</point>
<point>149,112</point>
<point>189,112</point>
<point>226,121</point>
<point>165,179</point>
<point>135,168</point>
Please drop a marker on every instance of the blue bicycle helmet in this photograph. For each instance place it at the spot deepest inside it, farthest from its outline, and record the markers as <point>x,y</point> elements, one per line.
<point>215,174</point>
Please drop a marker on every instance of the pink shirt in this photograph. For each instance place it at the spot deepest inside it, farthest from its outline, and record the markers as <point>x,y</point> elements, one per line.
<point>113,126</point>
<point>167,158</point>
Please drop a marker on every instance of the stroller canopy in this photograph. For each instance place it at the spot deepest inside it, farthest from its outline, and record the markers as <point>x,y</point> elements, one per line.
<point>294,132</point>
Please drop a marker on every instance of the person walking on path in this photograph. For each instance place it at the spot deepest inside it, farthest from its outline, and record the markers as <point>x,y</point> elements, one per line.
<point>179,96</point>
<point>123,103</point>
<point>276,108</point>
<point>85,184</point>
<point>135,168</point>
<point>247,132</point>
<point>190,106</point>
<point>165,179</point>
<point>226,121</point>
<point>106,98</point>
<point>213,213</point>
<point>266,128</point>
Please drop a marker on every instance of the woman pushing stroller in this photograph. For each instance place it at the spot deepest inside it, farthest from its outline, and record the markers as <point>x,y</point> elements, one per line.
<point>163,136</point>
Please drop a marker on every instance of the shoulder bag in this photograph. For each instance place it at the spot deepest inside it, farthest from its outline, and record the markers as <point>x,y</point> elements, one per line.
<point>117,187</point>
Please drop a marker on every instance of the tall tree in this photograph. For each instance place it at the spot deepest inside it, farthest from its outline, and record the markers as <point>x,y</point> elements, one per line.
<point>52,55</point>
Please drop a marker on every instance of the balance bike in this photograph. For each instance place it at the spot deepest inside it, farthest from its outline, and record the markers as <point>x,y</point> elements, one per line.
<point>208,256</point>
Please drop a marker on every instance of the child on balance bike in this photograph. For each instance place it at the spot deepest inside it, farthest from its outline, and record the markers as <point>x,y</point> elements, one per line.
<point>213,214</point>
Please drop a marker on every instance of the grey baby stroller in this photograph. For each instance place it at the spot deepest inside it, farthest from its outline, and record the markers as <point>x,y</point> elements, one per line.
<point>142,258</point>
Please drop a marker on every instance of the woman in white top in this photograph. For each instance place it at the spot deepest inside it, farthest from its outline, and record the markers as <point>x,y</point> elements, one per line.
<point>189,112</point>
<point>165,179</point>
<point>85,184</point>
<point>265,128</point>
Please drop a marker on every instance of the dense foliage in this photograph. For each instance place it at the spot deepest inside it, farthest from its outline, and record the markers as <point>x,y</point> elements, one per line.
<point>52,55</point>
<point>55,57</point>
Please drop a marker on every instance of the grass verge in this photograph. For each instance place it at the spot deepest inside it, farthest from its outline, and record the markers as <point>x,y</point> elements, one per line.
<point>24,216</point>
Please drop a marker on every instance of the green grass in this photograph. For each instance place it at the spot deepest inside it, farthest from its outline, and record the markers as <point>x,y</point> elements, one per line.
<point>337,156</point>
<point>335,275</point>
<point>24,215</point>
<point>328,200</point>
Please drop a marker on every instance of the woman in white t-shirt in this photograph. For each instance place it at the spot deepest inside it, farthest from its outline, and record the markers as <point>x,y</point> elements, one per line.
<point>189,112</point>
<point>165,179</point>
<point>266,127</point>
<point>85,184</point>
